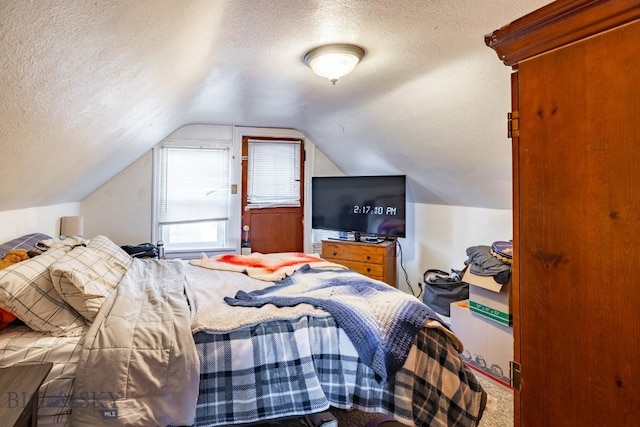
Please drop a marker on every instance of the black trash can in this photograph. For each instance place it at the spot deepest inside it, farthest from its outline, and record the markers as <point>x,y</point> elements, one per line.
<point>442,288</point>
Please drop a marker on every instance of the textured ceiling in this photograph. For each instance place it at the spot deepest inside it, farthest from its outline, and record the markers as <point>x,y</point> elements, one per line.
<point>87,87</point>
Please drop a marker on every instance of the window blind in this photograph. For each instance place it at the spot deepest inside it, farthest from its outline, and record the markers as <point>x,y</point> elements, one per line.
<point>194,184</point>
<point>273,174</point>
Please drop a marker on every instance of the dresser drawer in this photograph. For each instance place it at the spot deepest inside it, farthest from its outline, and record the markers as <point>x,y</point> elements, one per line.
<point>375,271</point>
<point>369,253</point>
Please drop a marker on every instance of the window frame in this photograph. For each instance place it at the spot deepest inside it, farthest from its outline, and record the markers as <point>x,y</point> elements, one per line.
<point>189,253</point>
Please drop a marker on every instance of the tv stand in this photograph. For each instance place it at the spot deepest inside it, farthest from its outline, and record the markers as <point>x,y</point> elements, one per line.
<point>377,261</point>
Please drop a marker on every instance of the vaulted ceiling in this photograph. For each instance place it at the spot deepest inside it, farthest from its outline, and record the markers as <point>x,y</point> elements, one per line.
<point>87,87</point>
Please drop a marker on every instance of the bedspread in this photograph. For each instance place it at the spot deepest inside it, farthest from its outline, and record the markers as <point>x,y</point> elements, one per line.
<point>309,365</point>
<point>206,290</point>
<point>381,321</point>
<point>138,364</point>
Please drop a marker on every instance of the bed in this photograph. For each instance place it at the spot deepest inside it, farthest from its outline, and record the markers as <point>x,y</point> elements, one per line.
<point>206,343</point>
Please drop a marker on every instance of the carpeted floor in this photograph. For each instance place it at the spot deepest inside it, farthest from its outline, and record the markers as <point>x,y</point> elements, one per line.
<point>499,409</point>
<point>498,412</point>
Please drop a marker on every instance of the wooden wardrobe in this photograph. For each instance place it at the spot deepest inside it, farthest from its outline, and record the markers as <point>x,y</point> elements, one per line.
<point>575,127</point>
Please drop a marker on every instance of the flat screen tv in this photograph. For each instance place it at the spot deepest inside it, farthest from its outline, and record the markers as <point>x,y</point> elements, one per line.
<point>363,205</point>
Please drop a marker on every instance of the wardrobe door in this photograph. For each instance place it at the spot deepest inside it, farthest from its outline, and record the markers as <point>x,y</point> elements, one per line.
<point>577,226</point>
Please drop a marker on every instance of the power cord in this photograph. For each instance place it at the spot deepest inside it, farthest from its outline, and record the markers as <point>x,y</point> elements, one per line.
<point>406,275</point>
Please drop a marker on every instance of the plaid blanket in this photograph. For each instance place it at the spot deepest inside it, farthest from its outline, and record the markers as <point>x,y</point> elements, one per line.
<point>381,321</point>
<point>295,367</point>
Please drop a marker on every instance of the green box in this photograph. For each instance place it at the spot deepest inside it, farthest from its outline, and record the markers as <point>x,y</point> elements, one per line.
<point>489,298</point>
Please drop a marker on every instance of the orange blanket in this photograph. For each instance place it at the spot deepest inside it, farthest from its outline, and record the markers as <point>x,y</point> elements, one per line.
<point>267,267</point>
<point>14,256</point>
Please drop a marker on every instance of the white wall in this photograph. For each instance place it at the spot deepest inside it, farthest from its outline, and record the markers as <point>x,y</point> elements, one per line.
<point>438,236</point>
<point>322,166</point>
<point>43,219</point>
<point>121,209</point>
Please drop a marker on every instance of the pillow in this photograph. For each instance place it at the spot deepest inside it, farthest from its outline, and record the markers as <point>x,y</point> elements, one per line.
<point>112,251</point>
<point>85,278</point>
<point>67,243</point>
<point>26,291</point>
<point>26,242</point>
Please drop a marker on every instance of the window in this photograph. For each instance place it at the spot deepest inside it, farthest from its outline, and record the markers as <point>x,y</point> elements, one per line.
<point>192,196</point>
<point>273,174</point>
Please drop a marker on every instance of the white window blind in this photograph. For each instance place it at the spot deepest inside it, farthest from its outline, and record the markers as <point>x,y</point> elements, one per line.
<point>194,184</point>
<point>273,174</point>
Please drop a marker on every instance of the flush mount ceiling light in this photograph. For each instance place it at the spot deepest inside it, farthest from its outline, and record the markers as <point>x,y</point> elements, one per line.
<point>334,61</point>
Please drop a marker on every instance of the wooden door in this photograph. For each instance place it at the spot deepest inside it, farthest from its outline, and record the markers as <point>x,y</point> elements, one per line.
<point>577,239</point>
<point>273,229</point>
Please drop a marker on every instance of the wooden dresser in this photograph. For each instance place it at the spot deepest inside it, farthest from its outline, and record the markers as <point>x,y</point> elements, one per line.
<point>374,260</point>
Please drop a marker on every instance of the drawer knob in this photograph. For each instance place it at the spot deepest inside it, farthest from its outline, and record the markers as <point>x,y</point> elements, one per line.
<point>335,253</point>
<point>368,257</point>
<point>368,270</point>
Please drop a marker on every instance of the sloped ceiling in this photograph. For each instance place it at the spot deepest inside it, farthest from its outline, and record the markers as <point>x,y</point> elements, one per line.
<point>87,87</point>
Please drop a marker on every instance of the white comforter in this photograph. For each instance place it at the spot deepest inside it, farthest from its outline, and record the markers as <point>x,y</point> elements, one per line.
<point>207,289</point>
<point>138,364</point>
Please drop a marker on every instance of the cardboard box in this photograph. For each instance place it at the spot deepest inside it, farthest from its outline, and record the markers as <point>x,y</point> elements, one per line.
<point>489,298</point>
<point>488,346</point>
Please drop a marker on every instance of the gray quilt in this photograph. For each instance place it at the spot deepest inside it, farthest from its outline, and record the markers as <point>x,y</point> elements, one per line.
<point>138,364</point>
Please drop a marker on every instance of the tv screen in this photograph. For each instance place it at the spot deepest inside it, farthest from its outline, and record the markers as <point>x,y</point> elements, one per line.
<point>373,205</point>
